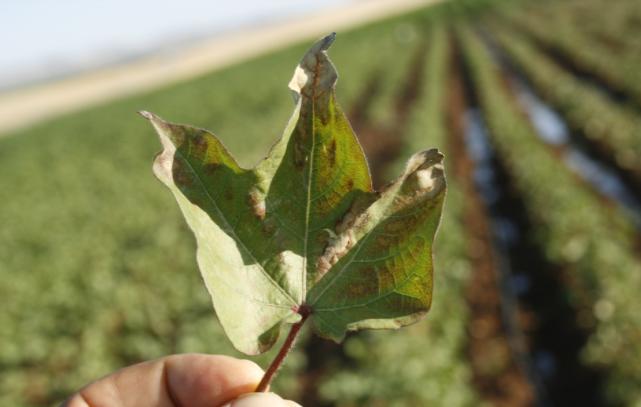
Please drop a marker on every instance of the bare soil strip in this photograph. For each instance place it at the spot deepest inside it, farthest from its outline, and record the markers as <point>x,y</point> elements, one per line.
<point>24,107</point>
<point>497,375</point>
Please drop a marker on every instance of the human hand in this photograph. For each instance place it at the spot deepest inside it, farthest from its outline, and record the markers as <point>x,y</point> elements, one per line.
<point>192,380</point>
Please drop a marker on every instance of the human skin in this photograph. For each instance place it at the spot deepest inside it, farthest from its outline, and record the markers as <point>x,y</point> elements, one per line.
<point>193,380</point>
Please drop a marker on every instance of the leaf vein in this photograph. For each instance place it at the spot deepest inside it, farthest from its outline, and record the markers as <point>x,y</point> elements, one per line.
<point>232,231</point>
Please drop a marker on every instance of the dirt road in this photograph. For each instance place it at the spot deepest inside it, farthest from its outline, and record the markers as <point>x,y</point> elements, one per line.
<point>28,106</point>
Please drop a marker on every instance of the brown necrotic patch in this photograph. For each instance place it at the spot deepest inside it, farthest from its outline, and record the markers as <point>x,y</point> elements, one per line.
<point>182,173</point>
<point>350,183</point>
<point>300,152</point>
<point>331,153</point>
<point>257,205</point>
<point>365,284</point>
<point>199,143</point>
<point>211,168</point>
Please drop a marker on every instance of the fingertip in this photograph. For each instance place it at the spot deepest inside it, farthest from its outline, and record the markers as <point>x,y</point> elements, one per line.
<point>260,400</point>
<point>195,379</point>
<point>75,401</point>
<point>250,368</point>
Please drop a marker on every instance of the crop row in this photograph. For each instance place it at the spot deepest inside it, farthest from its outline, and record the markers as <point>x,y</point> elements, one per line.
<point>613,127</point>
<point>620,72</point>
<point>574,229</point>
<point>616,27</point>
<point>386,80</point>
<point>424,364</point>
<point>365,69</point>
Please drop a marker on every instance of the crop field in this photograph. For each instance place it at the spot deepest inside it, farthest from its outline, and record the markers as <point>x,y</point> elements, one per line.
<point>537,107</point>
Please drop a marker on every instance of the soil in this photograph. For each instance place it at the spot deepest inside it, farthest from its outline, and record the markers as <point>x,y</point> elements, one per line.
<point>496,373</point>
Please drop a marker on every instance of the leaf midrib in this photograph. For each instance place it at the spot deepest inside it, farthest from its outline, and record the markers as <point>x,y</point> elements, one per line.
<point>308,203</point>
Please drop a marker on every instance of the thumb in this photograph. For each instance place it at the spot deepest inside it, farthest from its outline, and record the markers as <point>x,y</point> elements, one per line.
<point>261,400</point>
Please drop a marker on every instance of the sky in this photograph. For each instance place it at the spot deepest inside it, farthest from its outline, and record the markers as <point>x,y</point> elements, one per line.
<point>41,39</point>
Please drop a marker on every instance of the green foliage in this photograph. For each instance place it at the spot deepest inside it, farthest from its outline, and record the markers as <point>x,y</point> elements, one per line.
<point>612,30</point>
<point>620,72</point>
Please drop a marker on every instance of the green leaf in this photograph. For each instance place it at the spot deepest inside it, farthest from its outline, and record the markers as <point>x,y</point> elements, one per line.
<point>303,231</point>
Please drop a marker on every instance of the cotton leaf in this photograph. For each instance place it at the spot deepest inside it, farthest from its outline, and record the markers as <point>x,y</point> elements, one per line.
<point>303,232</point>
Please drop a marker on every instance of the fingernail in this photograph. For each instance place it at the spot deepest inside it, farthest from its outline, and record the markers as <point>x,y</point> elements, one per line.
<point>260,400</point>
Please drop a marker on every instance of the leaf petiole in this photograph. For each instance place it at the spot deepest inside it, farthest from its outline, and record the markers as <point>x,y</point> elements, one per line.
<point>304,311</point>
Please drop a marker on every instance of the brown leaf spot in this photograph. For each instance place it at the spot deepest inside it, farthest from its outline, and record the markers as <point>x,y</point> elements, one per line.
<point>299,155</point>
<point>384,240</point>
<point>366,285</point>
<point>385,278</point>
<point>268,227</point>
<point>210,169</point>
<point>257,205</point>
<point>199,143</point>
<point>397,226</point>
<point>331,153</point>
<point>350,184</point>
<point>180,175</point>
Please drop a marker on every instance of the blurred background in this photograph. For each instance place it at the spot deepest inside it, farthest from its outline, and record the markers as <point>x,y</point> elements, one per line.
<point>537,106</point>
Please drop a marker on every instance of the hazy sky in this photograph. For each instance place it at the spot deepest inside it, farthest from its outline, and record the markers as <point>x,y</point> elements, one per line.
<point>40,38</point>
